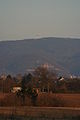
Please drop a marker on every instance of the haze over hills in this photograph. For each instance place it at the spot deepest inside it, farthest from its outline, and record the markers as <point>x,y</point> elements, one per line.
<point>63,54</point>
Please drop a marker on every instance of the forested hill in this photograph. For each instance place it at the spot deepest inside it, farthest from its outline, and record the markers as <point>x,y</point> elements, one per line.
<point>63,54</point>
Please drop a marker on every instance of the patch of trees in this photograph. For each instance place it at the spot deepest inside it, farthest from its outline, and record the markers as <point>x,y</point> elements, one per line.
<point>41,80</point>
<point>32,85</point>
<point>73,85</point>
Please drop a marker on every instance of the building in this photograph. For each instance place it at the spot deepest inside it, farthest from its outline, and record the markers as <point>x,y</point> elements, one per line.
<point>15,89</point>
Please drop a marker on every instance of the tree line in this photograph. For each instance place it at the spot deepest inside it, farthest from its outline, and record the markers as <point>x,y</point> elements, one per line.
<point>43,80</point>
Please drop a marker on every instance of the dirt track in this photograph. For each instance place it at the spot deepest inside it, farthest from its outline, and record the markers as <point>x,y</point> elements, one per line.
<point>56,112</point>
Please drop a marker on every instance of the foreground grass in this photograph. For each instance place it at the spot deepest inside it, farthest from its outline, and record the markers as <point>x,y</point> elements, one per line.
<point>39,113</point>
<point>12,117</point>
<point>44,99</point>
<point>65,107</point>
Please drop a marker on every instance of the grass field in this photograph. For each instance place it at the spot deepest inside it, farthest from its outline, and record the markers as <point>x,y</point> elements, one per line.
<point>41,112</point>
<point>59,100</point>
<point>49,107</point>
<point>44,99</point>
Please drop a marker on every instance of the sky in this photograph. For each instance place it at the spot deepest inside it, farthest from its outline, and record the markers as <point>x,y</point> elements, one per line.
<point>21,19</point>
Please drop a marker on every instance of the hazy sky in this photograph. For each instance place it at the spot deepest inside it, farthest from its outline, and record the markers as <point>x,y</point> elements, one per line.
<point>21,19</point>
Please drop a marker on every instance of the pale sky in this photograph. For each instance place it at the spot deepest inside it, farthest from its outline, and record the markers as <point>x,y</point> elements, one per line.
<point>20,19</point>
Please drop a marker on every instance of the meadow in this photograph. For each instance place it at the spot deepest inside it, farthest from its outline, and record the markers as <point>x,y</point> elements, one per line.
<point>49,106</point>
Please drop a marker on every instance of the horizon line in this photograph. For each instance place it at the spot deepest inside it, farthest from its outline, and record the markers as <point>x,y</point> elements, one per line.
<point>40,37</point>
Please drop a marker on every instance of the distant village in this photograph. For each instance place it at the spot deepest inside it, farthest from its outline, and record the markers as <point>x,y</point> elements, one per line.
<point>41,79</point>
<point>32,87</point>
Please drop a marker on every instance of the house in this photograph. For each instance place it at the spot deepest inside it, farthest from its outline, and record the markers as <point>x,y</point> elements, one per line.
<point>3,77</point>
<point>61,78</point>
<point>15,89</point>
<point>38,90</point>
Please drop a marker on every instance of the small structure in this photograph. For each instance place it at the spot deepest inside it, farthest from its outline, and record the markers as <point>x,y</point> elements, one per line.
<point>3,77</point>
<point>15,89</point>
<point>38,90</point>
<point>61,78</point>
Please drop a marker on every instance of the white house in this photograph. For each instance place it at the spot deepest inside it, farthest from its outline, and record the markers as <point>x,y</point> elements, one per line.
<point>15,89</point>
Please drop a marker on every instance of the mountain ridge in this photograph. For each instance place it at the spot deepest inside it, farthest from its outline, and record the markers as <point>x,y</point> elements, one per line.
<point>20,55</point>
